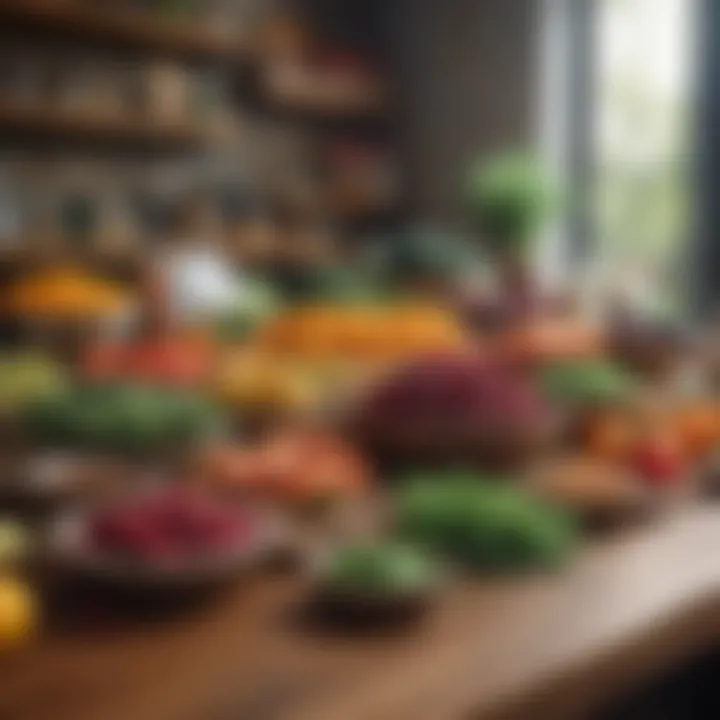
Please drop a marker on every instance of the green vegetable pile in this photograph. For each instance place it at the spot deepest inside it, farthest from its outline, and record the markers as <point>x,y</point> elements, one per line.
<point>586,382</point>
<point>381,571</point>
<point>483,526</point>
<point>123,418</point>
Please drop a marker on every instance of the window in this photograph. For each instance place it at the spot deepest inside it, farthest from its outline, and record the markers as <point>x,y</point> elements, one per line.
<point>628,77</point>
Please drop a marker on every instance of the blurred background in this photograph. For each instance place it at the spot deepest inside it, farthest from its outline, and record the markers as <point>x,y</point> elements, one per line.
<point>354,119</point>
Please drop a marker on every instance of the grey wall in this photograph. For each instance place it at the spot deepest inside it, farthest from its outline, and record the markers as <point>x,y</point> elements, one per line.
<point>466,73</point>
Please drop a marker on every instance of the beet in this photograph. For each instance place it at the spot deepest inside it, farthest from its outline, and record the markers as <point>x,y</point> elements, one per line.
<point>451,409</point>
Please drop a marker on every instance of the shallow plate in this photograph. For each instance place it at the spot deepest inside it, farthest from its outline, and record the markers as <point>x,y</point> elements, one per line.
<point>69,550</point>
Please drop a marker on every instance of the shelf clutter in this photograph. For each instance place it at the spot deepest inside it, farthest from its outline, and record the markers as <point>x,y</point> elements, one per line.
<point>137,29</point>
<point>125,111</point>
<point>78,126</point>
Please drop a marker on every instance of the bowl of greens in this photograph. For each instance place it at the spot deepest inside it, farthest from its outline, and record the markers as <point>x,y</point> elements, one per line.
<point>371,580</point>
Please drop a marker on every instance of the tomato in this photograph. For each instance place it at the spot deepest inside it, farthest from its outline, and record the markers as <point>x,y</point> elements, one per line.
<point>660,460</point>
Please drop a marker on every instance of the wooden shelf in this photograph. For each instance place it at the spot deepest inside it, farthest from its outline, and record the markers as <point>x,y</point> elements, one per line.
<point>136,29</point>
<point>44,123</point>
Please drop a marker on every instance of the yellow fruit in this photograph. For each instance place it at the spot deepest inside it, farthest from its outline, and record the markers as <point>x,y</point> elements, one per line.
<point>18,613</point>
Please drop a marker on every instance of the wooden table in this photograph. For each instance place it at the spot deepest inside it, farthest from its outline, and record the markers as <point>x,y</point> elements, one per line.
<point>536,646</point>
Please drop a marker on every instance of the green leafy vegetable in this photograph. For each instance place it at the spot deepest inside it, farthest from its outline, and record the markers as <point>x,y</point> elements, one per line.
<point>485,526</point>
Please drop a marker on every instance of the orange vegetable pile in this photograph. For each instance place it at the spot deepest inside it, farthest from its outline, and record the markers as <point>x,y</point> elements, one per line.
<point>65,294</point>
<point>362,333</point>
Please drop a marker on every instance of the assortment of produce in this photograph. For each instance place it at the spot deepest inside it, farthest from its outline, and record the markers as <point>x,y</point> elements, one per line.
<point>466,428</point>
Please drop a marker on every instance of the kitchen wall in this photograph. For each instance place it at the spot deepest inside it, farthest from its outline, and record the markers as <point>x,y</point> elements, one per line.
<point>466,74</point>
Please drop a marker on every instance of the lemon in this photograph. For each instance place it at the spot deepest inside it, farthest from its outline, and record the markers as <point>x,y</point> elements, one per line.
<point>17,612</point>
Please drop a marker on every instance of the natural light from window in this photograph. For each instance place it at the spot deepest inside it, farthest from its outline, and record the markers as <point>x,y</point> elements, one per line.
<point>642,144</point>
